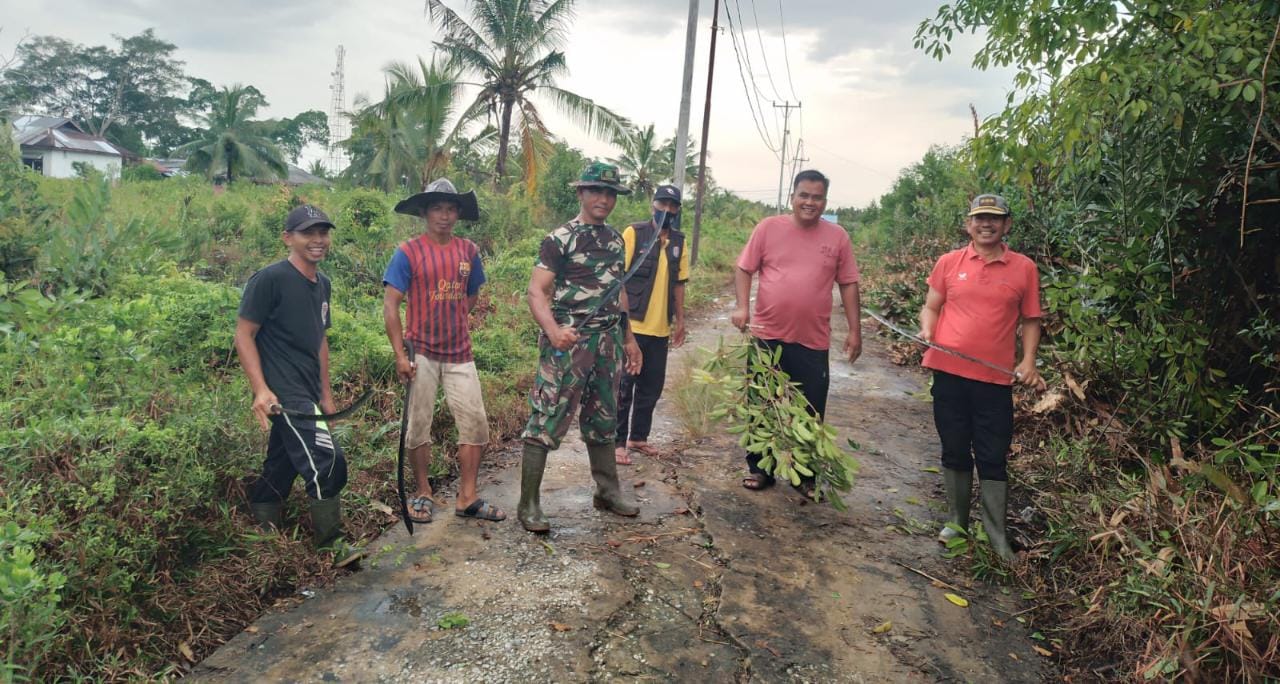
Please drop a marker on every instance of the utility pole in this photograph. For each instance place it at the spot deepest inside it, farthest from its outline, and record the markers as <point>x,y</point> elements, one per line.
<point>706,125</point>
<point>682,131</point>
<point>786,108</point>
<point>797,160</point>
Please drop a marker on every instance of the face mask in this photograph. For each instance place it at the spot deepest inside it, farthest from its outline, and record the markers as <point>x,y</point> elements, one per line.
<point>671,222</point>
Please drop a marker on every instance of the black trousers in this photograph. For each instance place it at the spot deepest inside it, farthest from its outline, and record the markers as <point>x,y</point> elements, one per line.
<point>975,424</point>
<point>638,394</point>
<point>300,447</point>
<point>809,368</point>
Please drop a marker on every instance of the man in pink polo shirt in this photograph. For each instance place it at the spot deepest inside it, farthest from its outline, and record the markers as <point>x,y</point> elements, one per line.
<point>798,258</point>
<point>979,297</point>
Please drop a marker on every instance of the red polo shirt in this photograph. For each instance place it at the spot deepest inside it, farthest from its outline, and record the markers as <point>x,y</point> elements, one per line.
<point>797,267</point>
<point>982,303</point>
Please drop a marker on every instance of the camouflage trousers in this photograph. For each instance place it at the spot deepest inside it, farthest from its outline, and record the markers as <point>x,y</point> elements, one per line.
<point>584,376</point>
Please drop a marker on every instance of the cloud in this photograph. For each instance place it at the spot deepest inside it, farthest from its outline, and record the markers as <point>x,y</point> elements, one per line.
<point>872,103</point>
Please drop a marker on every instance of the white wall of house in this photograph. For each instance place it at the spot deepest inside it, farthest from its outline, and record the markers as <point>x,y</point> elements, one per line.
<point>58,163</point>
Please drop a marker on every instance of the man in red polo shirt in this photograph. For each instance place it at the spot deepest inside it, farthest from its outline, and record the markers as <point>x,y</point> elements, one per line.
<point>799,258</point>
<point>979,297</point>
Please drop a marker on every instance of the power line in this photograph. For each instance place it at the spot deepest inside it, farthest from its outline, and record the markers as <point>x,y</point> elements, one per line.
<point>859,164</point>
<point>746,50</point>
<point>763,54</point>
<point>752,103</point>
<point>791,84</point>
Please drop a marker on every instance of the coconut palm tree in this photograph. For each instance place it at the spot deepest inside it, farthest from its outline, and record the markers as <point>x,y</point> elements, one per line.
<point>641,160</point>
<point>403,140</point>
<point>510,46</point>
<point>230,144</point>
<point>668,155</point>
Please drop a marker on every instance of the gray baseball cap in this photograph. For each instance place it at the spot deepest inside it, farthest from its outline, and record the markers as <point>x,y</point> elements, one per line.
<point>989,204</point>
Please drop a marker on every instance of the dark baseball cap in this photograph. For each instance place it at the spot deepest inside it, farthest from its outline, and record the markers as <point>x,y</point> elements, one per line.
<point>989,204</point>
<point>667,192</point>
<point>304,217</point>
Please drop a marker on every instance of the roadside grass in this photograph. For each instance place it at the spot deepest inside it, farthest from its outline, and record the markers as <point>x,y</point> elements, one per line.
<point>124,549</point>
<point>692,401</point>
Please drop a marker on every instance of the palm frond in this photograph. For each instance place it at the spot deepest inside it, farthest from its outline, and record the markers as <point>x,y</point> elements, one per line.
<point>596,119</point>
<point>452,24</point>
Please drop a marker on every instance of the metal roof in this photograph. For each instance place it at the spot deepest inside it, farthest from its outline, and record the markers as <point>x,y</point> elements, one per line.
<point>57,133</point>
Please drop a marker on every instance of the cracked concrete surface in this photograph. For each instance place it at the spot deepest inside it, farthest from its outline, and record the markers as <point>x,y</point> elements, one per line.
<point>710,583</point>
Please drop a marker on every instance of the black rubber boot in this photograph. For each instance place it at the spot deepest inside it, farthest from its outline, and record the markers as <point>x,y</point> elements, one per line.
<point>326,524</point>
<point>269,516</point>
<point>608,492</point>
<point>995,495</point>
<point>959,486</point>
<point>532,463</point>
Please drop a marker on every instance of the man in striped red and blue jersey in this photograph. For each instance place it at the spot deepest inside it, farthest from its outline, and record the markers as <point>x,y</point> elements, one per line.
<point>439,275</point>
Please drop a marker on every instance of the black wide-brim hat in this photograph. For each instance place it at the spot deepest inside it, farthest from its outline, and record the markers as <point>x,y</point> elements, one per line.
<point>441,190</point>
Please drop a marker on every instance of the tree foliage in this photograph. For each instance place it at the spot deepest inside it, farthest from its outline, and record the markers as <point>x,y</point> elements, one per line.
<point>1142,147</point>
<point>403,140</point>
<point>511,47</point>
<point>126,93</point>
<point>232,144</point>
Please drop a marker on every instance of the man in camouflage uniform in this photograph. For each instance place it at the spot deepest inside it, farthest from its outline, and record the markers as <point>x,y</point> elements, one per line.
<point>578,359</point>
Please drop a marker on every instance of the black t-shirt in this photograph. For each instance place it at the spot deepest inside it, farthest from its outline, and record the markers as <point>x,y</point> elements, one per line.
<point>294,314</point>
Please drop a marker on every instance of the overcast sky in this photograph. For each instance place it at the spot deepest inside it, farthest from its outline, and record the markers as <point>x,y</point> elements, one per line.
<point>872,104</point>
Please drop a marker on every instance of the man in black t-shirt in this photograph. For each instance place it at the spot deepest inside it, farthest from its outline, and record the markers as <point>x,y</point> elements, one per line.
<point>280,337</point>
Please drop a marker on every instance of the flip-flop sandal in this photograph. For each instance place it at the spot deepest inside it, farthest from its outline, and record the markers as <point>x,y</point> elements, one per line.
<point>420,509</point>
<point>646,449</point>
<point>622,456</point>
<point>757,482</point>
<point>482,510</point>
<point>807,489</point>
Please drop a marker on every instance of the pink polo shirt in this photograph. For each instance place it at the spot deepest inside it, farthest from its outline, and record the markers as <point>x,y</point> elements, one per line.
<point>797,268</point>
<point>982,303</point>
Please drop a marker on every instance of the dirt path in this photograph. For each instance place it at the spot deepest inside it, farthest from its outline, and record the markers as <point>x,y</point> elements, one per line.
<point>711,583</point>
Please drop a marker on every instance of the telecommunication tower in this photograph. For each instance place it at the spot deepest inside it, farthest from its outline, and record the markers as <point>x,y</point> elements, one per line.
<point>339,127</point>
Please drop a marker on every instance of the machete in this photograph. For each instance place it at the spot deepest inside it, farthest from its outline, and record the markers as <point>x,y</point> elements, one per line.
<point>404,429</point>
<point>946,350</point>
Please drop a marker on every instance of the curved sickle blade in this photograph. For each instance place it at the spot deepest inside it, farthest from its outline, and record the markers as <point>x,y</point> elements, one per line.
<point>404,429</point>
<point>324,417</point>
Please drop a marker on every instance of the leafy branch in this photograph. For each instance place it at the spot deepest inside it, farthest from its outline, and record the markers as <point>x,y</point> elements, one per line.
<point>774,420</point>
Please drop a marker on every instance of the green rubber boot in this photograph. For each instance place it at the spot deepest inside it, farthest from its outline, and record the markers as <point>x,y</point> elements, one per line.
<point>532,462</point>
<point>326,524</point>
<point>959,486</point>
<point>995,496</point>
<point>608,492</point>
<point>268,516</point>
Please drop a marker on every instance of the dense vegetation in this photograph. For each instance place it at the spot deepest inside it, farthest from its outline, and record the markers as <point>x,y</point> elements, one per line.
<point>127,439</point>
<point>1141,152</point>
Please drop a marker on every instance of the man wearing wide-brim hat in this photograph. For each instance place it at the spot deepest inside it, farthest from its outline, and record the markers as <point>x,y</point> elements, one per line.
<point>579,357</point>
<point>440,275</point>
<point>980,297</point>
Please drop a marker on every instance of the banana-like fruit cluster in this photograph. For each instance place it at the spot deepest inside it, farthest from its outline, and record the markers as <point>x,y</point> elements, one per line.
<point>773,419</point>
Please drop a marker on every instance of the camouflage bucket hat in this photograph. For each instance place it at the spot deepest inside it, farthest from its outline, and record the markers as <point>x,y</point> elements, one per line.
<point>601,175</point>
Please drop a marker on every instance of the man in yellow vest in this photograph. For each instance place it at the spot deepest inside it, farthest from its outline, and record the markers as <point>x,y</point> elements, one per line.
<point>655,295</point>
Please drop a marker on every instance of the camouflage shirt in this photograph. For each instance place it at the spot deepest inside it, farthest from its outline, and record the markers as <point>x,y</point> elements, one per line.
<point>586,261</point>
